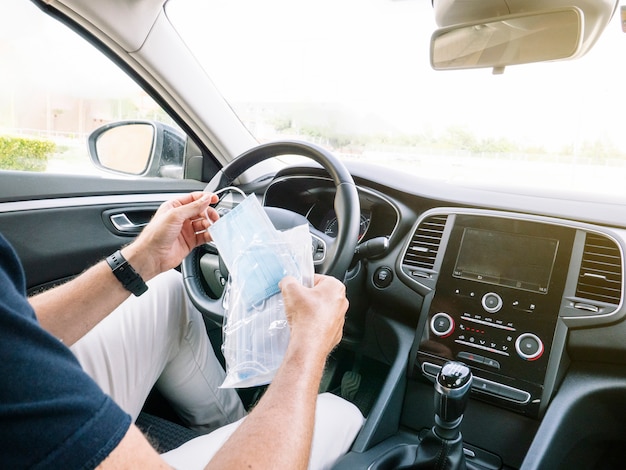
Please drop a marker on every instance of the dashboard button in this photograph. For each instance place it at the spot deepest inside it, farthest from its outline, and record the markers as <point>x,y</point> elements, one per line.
<point>467,356</point>
<point>529,347</point>
<point>500,390</point>
<point>430,369</point>
<point>514,394</point>
<point>442,324</point>
<point>486,386</point>
<point>491,363</point>
<point>491,302</point>
<point>528,307</point>
<point>383,277</point>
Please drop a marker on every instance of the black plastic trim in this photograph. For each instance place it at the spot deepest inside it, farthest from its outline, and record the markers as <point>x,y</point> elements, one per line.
<point>588,408</point>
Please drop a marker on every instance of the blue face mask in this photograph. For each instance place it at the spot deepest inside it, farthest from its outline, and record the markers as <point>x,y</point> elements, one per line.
<point>252,250</point>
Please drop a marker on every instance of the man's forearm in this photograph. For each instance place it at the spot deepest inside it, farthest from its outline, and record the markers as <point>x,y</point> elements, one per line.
<point>278,432</point>
<point>178,226</point>
<point>72,309</point>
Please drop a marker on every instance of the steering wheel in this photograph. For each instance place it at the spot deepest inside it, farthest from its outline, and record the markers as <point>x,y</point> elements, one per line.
<point>337,252</point>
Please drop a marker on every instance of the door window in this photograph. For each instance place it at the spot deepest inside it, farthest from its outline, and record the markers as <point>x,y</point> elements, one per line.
<point>56,89</point>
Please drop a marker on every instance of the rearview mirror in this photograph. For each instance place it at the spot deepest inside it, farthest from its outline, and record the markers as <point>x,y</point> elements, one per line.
<point>509,40</point>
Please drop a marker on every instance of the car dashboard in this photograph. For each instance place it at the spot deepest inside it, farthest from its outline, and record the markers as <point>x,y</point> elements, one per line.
<point>522,295</point>
<point>504,288</point>
<point>313,197</point>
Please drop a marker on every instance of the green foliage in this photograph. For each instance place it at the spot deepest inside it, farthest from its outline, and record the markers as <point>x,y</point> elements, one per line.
<point>18,153</point>
<point>282,123</point>
<point>599,151</point>
<point>458,140</point>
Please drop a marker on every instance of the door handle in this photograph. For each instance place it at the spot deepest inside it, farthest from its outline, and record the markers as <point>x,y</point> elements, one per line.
<point>128,221</point>
<point>122,223</point>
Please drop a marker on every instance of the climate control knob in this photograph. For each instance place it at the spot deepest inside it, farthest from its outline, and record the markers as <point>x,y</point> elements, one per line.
<point>529,347</point>
<point>442,324</point>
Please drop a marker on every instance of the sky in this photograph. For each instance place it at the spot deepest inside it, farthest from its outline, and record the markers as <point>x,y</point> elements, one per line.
<point>33,46</point>
<point>370,58</point>
<point>375,59</point>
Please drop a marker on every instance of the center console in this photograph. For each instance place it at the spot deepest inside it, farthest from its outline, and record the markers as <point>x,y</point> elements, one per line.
<point>499,292</point>
<point>497,287</point>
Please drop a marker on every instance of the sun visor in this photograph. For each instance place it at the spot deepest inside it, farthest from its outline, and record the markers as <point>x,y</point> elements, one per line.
<point>128,22</point>
<point>596,14</point>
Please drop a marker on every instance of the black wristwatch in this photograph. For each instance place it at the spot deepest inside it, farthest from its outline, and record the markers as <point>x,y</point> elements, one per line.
<point>125,273</point>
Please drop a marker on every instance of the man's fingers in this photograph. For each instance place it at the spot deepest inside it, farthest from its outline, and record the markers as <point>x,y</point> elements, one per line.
<point>317,278</point>
<point>287,282</point>
<point>196,197</point>
<point>196,205</point>
<point>323,281</point>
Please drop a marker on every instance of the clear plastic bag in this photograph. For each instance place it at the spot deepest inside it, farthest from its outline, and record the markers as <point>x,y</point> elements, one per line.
<point>256,332</point>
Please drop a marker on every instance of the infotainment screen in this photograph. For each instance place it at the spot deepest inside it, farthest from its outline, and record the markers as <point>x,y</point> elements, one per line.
<point>506,259</point>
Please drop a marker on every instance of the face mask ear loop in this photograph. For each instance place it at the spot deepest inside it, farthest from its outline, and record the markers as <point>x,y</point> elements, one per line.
<point>230,188</point>
<point>217,193</point>
<point>206,215</point>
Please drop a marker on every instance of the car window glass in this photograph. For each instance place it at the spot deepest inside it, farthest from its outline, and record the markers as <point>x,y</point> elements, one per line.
<point>356,78</point>
<point>55,89</point>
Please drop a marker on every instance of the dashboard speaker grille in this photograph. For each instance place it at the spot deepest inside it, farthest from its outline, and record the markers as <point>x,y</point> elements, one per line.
<point>600,276</point>
<point>424,245</point>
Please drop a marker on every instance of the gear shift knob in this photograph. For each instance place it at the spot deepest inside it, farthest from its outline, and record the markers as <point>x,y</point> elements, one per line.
<point>452,388</point>
<point>441,448</point>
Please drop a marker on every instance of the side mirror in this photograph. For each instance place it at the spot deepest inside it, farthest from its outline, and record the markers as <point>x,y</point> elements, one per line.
<point>139,148</point>
<point>509,40</point>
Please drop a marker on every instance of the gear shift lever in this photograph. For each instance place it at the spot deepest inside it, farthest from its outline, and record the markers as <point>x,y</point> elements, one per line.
<point>452,388</point>
<point>442,447</point>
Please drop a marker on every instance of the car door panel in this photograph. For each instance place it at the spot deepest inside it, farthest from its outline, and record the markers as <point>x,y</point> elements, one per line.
<point>25,186</point>
<point>69,226</point>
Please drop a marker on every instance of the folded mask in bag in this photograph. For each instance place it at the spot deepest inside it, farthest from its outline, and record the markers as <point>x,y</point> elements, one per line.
<point>247,242</point>
<point>255,331</point>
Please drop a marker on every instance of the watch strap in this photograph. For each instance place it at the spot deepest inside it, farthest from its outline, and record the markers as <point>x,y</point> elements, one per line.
<point>125,273</point>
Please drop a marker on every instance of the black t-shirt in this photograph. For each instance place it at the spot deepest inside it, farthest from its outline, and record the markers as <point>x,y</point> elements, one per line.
<point>52,414</point>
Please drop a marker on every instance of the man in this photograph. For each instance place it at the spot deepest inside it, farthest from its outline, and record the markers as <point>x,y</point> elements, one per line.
<point>53,415</point>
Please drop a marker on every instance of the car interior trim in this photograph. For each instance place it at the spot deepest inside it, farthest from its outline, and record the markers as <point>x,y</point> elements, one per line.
<point>60,203</point>
<point>485,386</point>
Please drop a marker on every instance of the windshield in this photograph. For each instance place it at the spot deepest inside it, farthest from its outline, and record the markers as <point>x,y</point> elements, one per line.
<point>354,76</point>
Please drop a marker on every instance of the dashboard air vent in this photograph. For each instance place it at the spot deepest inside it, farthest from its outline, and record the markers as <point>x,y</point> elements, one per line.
<point>424,245</point>
<point>600,277</point>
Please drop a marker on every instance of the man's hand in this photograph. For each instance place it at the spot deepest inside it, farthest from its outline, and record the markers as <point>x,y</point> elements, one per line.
<point>177,227</point>
<point>316,315</point>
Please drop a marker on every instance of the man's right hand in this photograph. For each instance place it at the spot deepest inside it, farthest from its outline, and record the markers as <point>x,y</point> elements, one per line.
<point>316,315</point>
